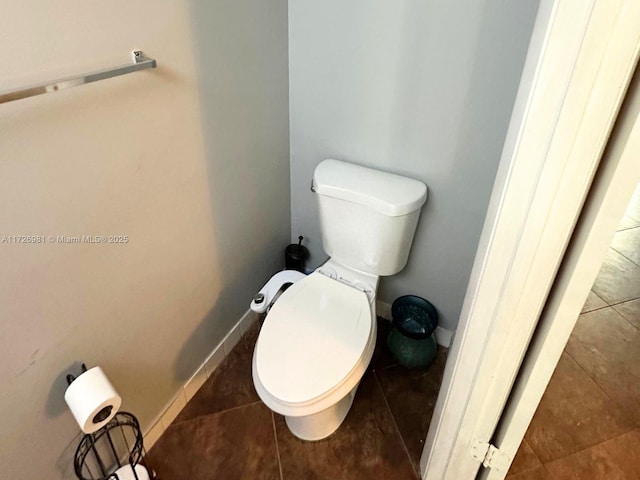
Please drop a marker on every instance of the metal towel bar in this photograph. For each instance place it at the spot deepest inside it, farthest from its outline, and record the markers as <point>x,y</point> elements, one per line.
<point>140,62</point>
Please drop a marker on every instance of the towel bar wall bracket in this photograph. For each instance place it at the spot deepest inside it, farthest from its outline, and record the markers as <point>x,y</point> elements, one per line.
<point>140,62</point>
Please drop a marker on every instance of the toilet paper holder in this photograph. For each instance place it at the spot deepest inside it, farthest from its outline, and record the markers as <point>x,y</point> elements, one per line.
<point>71,378</point>
<point>115,451</point>
<point>105,412</point>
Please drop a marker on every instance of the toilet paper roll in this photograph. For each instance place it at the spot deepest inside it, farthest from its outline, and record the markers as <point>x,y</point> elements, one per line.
<point>126,473</point>
<point>92,400</point>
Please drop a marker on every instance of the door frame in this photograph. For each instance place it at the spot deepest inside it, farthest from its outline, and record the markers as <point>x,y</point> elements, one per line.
<point>613,186</point>
<point>581,58</point>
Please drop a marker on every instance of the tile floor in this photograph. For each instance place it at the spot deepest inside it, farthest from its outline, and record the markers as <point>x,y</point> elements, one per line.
<point>225,432</point>
<point>588,423</point>
<point>586,427</point>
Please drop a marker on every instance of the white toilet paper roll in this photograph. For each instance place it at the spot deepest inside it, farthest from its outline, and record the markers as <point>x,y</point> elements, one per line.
<point>92,400</point>
<point>126,473</point>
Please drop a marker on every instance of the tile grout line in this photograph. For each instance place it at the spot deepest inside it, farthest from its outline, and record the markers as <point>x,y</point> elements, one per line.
<point>627,320</point>
<point>632,423</point>
<point>623,255</point>
<point>275,437</point>
<point>618,251</point>
<point>615,304</point>
<point>587,448</point>
<point>596,294</point>
<point>384,367</point>
<point>404,445</point>
<point>594,310</point>
<point>614,401</point>
<point>621,315</point>
<point>606,304</point>
<point>535,454</point>
<point>544,467</point>
<point>215,413</point>
<point>530,470</point>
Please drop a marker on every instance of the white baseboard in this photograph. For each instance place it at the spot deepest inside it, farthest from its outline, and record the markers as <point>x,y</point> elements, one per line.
<point>202,373</point>
<point>383,310</point>
<point>443,336</point>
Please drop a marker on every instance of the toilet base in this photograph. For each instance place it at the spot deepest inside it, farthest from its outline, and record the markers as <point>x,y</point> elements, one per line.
<point>322,424</point>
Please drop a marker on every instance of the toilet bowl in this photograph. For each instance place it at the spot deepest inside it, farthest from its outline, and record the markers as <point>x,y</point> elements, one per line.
<point>319,335</point>
<point>313,348</point>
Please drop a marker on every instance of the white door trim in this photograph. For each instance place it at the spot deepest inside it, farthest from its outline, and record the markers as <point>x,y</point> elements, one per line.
<point>580,59</point>
<point>615,181</point>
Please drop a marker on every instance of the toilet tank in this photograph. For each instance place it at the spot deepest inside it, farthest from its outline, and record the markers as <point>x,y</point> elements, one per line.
<point>368,217</point>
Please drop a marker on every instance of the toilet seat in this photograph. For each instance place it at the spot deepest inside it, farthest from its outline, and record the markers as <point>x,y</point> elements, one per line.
<point>313,339</point>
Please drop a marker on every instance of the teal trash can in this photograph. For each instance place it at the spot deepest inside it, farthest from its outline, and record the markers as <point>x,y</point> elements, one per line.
<point>411,338</point>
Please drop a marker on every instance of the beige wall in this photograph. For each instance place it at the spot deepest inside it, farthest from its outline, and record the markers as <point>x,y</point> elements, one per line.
<point>420,88</point>
<point>190,161</point>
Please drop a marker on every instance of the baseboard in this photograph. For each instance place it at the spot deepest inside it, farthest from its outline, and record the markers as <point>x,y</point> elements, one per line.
<point>383,310</point>
<point>443,336</point>
<point>202,373</point>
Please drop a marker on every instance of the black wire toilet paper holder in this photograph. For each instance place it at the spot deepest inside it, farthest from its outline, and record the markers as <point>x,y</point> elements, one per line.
<point>119,443</point>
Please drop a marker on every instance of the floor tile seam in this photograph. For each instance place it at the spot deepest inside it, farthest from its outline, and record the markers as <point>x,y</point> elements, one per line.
<point>615,304</point>
<point>198,417</point>
<point>385,367</point>
<point>275,437</point>
<point>620,253</point>
<point>532,469</point>
<point>631,422</point>
<point>545,464</point>
<point>606,302</point>
<point>535,454</point>
<point>551,476</point>
<point>585,447</point>
<point>596,309</point>
<point>584,370</point>
<point>621,315</point>
<point>613,307</point>
<point>395,423</point>
<point>627,320</point>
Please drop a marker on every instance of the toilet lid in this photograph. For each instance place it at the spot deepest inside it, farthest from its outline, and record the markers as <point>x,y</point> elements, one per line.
<point>312,338</point>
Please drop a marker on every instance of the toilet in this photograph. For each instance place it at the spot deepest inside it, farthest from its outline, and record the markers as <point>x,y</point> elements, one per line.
<point>319,335</point>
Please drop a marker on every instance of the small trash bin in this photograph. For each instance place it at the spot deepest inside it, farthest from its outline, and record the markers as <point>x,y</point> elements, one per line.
<point>411,339</point>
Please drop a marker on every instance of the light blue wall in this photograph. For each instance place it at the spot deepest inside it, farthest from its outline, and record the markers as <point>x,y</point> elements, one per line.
<point>415,87</point>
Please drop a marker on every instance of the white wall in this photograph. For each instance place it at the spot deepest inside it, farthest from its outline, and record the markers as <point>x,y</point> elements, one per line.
<point>420,88</point>
<point>190,161</point>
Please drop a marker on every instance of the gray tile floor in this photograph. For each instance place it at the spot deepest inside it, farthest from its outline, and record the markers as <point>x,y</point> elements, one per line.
<point>225,432</point>
<point>588,423</point>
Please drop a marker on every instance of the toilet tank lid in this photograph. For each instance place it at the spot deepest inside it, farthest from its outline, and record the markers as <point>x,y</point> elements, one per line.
<point>386,193</point>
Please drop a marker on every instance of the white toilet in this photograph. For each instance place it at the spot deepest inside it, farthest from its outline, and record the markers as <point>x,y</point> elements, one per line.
<point>318,338</point>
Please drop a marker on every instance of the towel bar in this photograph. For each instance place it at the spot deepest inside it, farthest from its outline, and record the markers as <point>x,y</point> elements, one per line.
<point>140,62</point>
